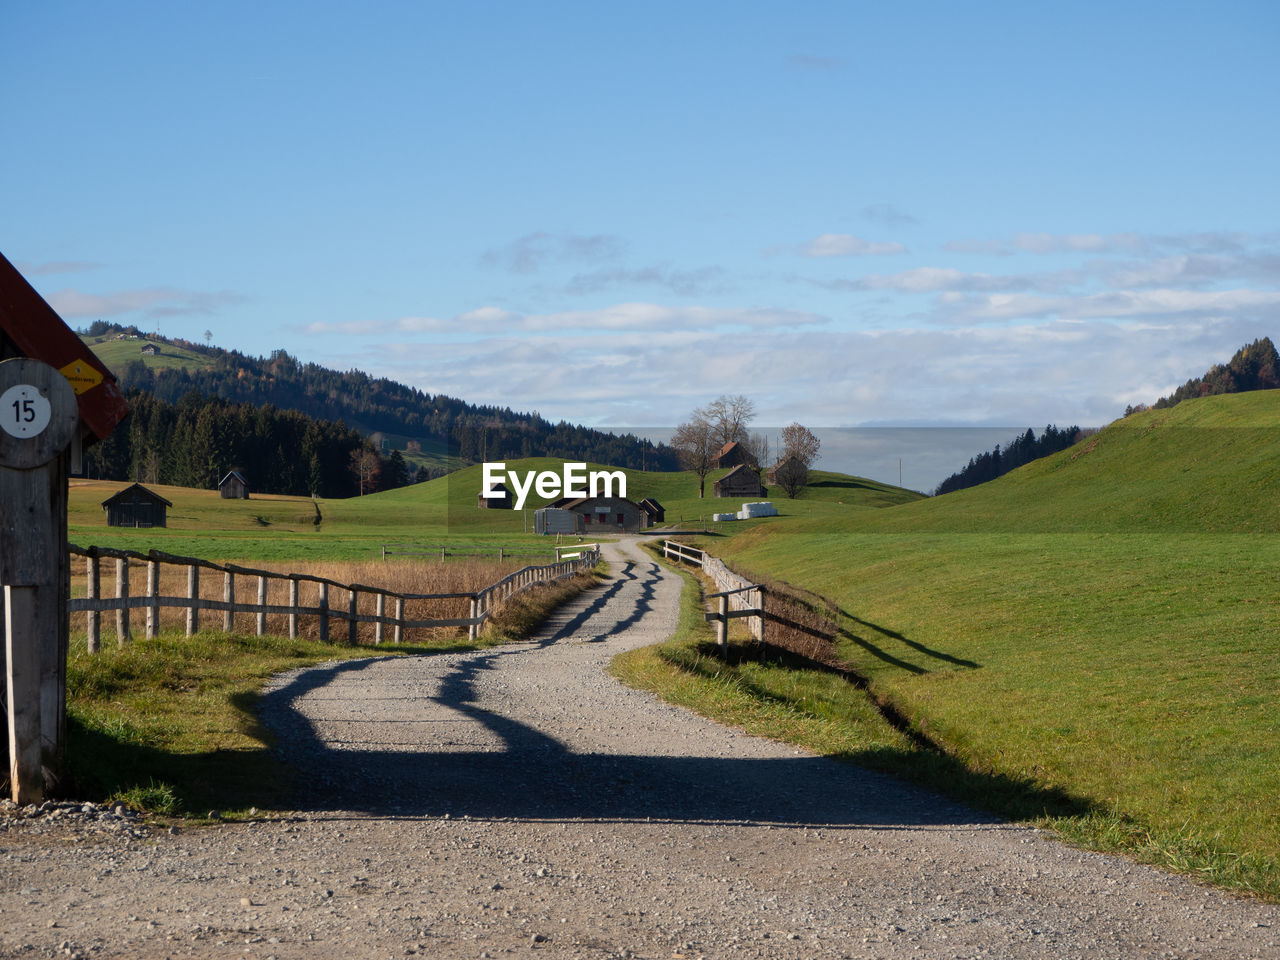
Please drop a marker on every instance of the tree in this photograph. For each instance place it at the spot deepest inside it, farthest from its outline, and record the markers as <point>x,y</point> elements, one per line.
<point>366,465</point>
<point>799,442</point>
<point>799,451</point>
<point>729,417</point>
<point>696,443</point>
<point>791,475</point>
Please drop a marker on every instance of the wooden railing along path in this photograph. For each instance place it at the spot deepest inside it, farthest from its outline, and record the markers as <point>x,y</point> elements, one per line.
<point>738,596</point>
<point>482,603</point>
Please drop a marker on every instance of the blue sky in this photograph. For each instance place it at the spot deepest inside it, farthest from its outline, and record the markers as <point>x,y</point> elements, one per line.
<point>854,213</point>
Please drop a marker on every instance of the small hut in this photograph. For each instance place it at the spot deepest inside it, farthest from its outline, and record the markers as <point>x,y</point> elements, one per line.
<point>234,486</point>
<point>741,481</point>
<point>136,506</point>
<point>656,511</point>
<point>150,349</point>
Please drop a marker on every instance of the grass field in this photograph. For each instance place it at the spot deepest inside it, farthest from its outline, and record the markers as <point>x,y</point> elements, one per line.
<point>1098,625</point>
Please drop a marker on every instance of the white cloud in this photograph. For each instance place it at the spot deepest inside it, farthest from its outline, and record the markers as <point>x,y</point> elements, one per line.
<point>153,302</point>
<point>847,245</point>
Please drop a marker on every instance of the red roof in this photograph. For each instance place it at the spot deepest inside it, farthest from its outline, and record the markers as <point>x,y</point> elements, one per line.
<point>41,334</point>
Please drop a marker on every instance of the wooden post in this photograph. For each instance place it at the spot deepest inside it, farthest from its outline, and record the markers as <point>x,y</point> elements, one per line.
<point>722,625</point>
<point>229,598</point>
<point>193,599</point>
<point>398,636</point>
<point>39,418</point>
<point>92,589</point>
<point>122,594</point>
<point>293,608</point>
<point>323,604</point>
<point>262,603</point>
<point>153,598</point>
<point>352,599</point>
<point>381,612</point>
<point>473,630</point>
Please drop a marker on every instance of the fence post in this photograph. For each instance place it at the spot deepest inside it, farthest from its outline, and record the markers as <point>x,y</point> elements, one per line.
<point>323,604</point>
<point>262,602</point>
<point>473,629</point>
<point>153,598</point>
<point>293,608</point>
<point>351,616</point>
<point>398,635</point>
<point>193,599</point>
<point>93,618</point>
<point>722,625</point>
<point>122,594</point>
<point>229,597</point>
<point>380,610</point>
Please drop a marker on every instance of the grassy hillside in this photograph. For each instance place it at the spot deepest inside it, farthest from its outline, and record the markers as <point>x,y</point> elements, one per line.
<point>119,353</point>
<point>442,510</point>
<point>1100,623</point>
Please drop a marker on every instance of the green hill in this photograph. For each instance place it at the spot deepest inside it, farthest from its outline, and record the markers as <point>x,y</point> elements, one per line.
<point>1099,624</point>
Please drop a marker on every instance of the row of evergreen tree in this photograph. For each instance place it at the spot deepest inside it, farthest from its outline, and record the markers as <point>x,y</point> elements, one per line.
<point>998,462</point>
<point>195,442</point>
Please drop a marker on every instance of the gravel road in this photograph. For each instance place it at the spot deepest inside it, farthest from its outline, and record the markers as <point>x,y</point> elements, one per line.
<point>519,802</point>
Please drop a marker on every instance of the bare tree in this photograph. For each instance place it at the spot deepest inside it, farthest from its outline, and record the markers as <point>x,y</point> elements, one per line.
<point>729,417</point>
<point>791,475</point>
<point>366,465</point>
<point>799,442</point>
<point>799,451</point>
<point>696,442</point>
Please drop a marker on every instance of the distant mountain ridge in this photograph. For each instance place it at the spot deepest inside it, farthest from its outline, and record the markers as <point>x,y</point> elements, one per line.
<point>407,418</point>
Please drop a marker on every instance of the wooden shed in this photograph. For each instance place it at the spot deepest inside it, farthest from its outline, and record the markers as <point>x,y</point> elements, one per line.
<point>732,454</point>
<point>150,349</point>
<point>608,514</point>
<point>788,464</point>
<point>234,486</point>
<point>741,481</point>
<point>136,506</point>
<point>657,512</point>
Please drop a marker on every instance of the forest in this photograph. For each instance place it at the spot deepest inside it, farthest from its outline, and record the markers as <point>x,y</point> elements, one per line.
<point>192,422</point>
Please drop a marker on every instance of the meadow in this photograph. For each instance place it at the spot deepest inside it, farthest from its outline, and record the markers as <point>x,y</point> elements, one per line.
<point>1090,637</point>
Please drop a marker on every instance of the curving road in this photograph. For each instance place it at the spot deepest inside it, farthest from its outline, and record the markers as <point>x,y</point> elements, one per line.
<point>518,801</point>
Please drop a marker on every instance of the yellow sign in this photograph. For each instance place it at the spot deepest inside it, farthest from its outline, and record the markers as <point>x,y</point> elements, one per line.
<point>82,376</point>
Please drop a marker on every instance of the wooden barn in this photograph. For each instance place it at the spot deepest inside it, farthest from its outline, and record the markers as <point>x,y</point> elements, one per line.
<point>656,512</point>
<point>150,349</point>
<point>495,503</point>
<point>733,454</point>
<point>136,506</point>
<point>741,481</point>
<point>607,514</point>
<point>788,464</point>
<point>234,486</point>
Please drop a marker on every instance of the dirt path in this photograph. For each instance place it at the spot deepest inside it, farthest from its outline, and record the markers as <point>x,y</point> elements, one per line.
<point>519,802</point>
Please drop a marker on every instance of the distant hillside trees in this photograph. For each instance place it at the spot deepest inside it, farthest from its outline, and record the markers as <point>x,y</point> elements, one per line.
<point>1254,367</point>
<point>194,442</point>
<point>998,462</point>
<point>373,404</point>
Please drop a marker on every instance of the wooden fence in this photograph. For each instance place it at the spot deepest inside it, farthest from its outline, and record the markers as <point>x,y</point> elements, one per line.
<point>738,596</point>
<point>446,550</point>
<point>481,604</point>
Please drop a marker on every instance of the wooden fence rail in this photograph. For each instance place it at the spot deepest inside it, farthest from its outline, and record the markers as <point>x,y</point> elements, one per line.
<point>482,603</point>
<point>738,596</point>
